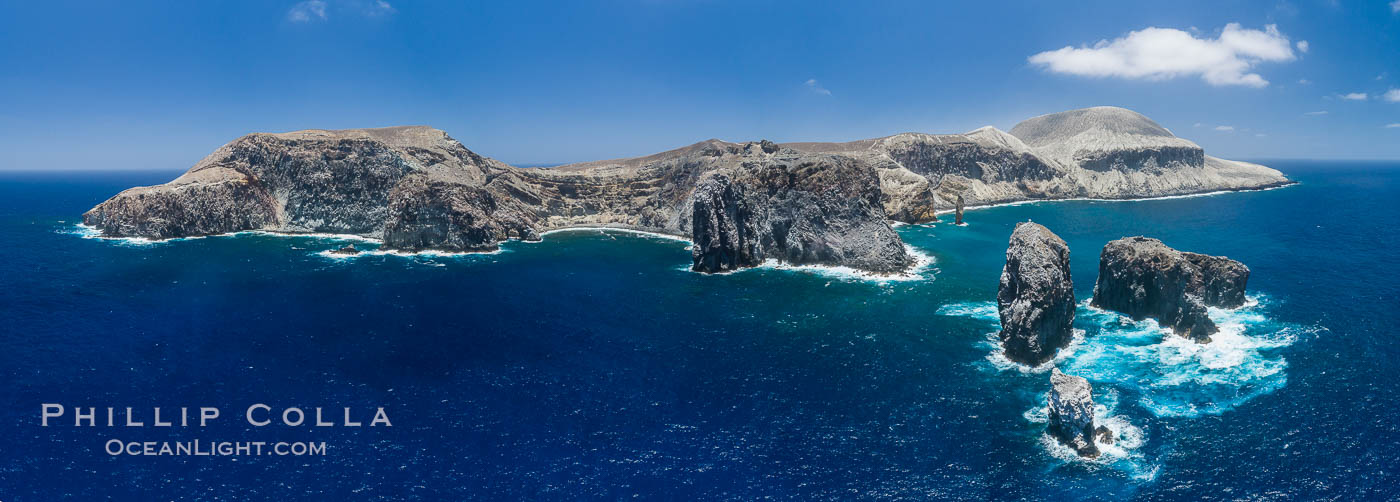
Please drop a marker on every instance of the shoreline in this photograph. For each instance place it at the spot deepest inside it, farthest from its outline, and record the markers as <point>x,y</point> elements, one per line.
<point>922,261</point>
<point>1138,199</point>
<point>605,229</point>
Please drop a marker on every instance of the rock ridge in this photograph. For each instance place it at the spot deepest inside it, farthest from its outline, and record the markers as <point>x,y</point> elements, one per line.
<point>1142,277</point>
<point>417,188</point>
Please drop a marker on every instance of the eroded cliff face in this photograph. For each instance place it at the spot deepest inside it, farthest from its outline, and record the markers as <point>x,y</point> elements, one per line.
<point>795,208</point>
<point>1142,277</point>
<point>805,203</point>
<point>1035,299</point>
<point>205,202</point>
<point>433,211</point>
<point>306,181</point>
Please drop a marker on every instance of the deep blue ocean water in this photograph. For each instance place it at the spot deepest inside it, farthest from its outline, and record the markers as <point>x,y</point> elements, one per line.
<point>594,366</point>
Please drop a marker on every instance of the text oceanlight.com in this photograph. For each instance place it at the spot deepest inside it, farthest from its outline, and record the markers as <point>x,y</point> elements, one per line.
<point>197,448</point>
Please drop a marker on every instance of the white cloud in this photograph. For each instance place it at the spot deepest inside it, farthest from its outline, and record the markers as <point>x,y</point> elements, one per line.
<point>1303,44</point>
<point>1395,7</point>
<point>1355,96</point>
<point>307,11</point>
<point>316,10</point>
<point>1314,114</point>
<point>1392,95</point>
<point>1225,128</point>
<point>817,87</point>
<point>1164,53</point>
<point>379,8</point>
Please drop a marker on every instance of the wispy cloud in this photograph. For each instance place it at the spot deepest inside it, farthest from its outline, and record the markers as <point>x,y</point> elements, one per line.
<point>1354,96</point>
<point>307,11</point>
<point>1393,126</point>
<point>1395,7</point>
<point>816,87</point>
<point>1165,53</point>
<point>1261,135</point>
<point>1304,81</point>
<point>1302,45</point>
<point>317,10</point>
<point>379,8</point>
<point>1316,113</point>
<point>1225,128</point>
<point>1392,95</point>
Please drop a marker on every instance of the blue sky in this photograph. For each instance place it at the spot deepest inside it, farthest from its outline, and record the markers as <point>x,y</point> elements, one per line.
<point>126,85</point>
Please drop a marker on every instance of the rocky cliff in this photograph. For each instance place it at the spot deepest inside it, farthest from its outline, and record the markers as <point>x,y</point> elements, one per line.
<point>1142,277</point>
<point>812,203</point>
<point>794,208</point>
<point>1036,297</point>
<point>1071,409</point>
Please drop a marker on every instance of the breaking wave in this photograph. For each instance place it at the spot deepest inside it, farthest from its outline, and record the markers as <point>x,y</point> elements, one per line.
<point>91,232</point>
<point>1122,454</point>
<point>1166,375</point>
<point>921,270</point>
<point>1177,377</point>
<point>1174,376</point>
<point>922,264</point>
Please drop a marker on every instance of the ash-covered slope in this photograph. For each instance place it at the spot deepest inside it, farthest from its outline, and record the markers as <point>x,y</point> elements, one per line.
<point>1115,153</point>
<point>741,203</point>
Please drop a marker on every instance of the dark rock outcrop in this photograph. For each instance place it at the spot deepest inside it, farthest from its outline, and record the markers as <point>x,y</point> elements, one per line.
<point>428,211</point>
<point>348,250</point>
<point>1142,277</point>
<point>798,209</point>
<point>1036,296</point>
<point>723,229</point>
<point>1071,413</point>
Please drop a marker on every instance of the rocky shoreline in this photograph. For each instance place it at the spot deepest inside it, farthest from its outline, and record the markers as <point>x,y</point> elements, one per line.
<point>832,204</point>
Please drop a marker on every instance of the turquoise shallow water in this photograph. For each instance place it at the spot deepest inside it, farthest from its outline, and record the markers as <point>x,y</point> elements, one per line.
<point>592,365</point>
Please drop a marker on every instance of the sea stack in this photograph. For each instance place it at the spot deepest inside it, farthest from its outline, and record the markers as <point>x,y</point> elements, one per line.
<point>1071,407</point>
<point>1036,296</point>
<point>1141,277</point>
<point>958,211</point>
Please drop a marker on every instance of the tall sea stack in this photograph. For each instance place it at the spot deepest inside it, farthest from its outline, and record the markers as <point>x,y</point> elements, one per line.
<point>958,211</point>
<point>1142,277</point>
<point>1036,296</point>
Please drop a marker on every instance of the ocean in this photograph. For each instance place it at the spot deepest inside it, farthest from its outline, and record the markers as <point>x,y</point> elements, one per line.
<point>594,365</point>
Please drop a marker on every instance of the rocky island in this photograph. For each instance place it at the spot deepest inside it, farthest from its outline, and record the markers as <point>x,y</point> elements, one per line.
<point>1035,299</point>
<point>1071,410</point>
<point>416,188</point>
<point>1142,277</point>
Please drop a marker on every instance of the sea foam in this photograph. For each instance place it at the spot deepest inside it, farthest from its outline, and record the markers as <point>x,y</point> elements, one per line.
<point>1174,376</point>
<point>1122,454</point>
<point>1169,375</point>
